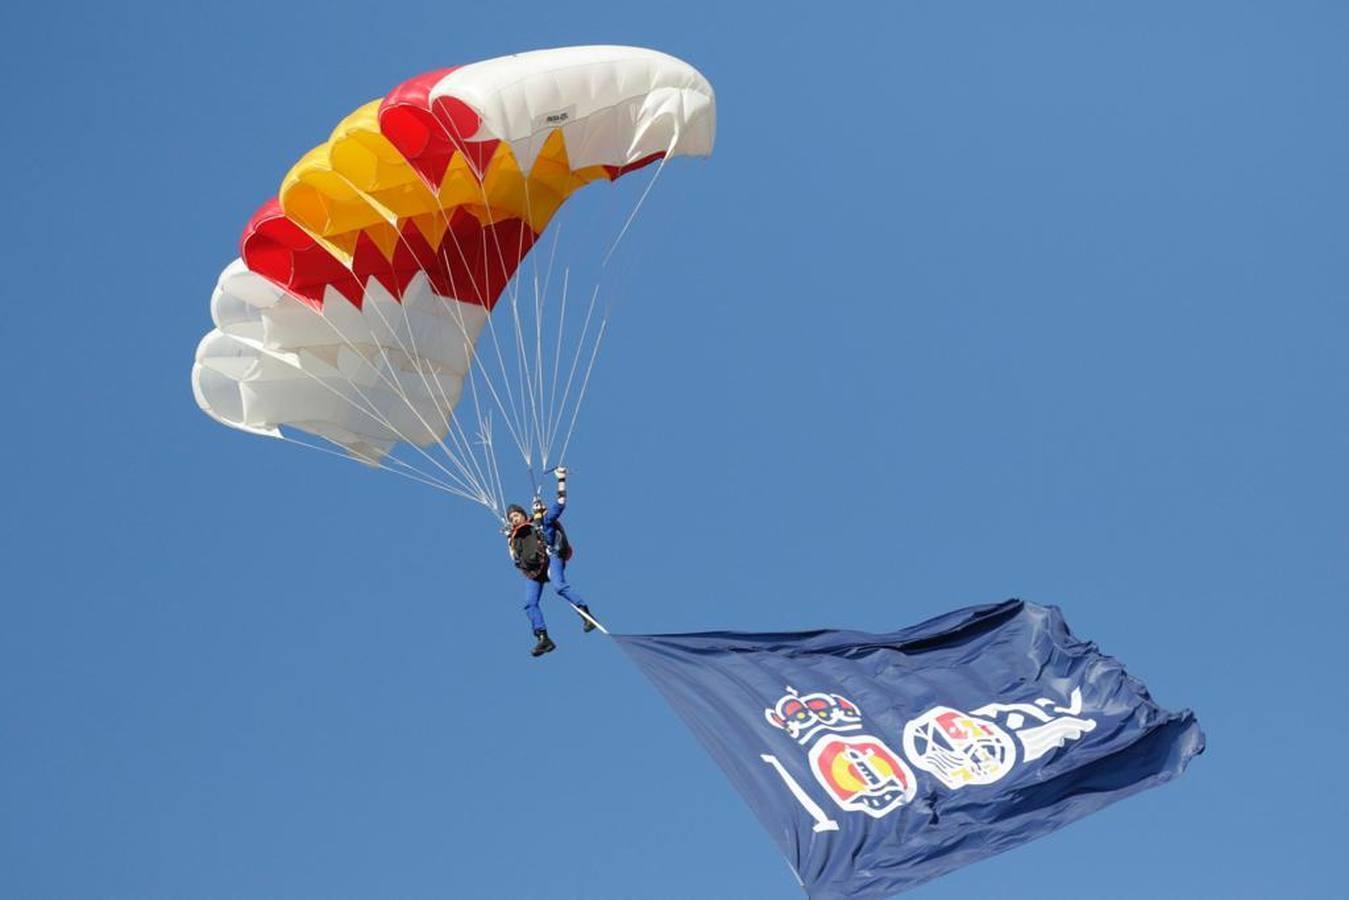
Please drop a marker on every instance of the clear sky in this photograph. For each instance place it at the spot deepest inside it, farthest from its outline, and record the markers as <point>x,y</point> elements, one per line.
<point>972,301</point>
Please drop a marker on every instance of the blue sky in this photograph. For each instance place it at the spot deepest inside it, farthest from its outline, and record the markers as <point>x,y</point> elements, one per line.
<point>972,301</point>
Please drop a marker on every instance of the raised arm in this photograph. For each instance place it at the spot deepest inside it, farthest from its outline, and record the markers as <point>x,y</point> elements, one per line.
<point>560,503</point>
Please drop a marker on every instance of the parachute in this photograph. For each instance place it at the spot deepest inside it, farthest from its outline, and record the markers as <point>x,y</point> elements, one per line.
<point>355,308</point>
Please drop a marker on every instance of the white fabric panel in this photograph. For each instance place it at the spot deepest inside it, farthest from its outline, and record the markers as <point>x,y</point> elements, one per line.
<point>363,378</point>
<point>437,330</point>
<point>614,104</point>
<point>239,283</point>
<point>222,365</point>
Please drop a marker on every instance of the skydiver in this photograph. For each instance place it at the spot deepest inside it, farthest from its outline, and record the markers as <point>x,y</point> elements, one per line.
<point>540,550</point>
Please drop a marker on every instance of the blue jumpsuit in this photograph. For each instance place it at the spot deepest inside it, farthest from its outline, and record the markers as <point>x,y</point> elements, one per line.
<point>557,573</point>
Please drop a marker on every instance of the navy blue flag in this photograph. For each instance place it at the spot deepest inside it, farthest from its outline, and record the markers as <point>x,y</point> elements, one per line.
<point>879,761</point>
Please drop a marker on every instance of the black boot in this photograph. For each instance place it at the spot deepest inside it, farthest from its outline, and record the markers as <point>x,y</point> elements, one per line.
<point>545,644</point>
<point>587,625</point>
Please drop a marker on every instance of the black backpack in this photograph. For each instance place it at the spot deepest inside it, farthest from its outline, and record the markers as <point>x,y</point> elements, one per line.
<point>530,551</point>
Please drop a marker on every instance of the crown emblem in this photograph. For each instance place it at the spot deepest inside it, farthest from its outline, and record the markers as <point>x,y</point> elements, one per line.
<point>803,717</point>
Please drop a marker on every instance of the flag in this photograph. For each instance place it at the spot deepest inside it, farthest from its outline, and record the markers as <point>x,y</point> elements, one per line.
<point>880,761</point>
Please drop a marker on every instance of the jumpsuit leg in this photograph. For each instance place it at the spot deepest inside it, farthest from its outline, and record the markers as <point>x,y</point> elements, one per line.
<point>533,590</point>
<point>557,573</point>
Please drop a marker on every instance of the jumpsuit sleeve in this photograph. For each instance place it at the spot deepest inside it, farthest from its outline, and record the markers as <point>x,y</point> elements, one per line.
<point>553,514</point>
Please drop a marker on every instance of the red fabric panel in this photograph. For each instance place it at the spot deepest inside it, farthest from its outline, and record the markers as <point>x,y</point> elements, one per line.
<point>616,171</point>
<point>428,134</point>
<point>368,262</point>
<point>405,118</point>
<point>280,251</point>
<point>459,122</point>
<point>472,263</point>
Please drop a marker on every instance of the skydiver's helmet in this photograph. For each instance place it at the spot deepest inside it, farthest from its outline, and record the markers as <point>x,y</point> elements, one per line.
<point>516,508</point>
<point>539,509</point>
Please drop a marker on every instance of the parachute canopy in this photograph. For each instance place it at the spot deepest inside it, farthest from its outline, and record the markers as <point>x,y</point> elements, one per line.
<point>361,288</point>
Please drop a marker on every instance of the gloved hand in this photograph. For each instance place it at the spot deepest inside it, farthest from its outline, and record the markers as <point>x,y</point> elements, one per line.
<point>560,473</point>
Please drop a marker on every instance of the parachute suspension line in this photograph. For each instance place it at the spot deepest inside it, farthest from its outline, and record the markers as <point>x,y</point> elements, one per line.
<point>526,445</point>
<point>475,367</point>
<point>406,470</point>
<point>538,364</point>
<point>660,167</point>
<point>371,408</point>
<point>394,381</point>
<point>352,456</point>
<point>526,382</point>
<point>535,419</point>
<point>545,390</point>
<point>476,361</point>
<point>494,471</point>
<point>552,257</point>
<point>532,374</point>
<point>525,371</point>
<point>462,457</point>
<point>521,338</point>
<point>576,410</point>
<point>531,377</point>
<point>374,414</point>
<point>485,436</point>
<point>604,320</point>
<point>575,362</point>
<point>463,439</point>
<point>516,418</point>
<point>540,300</point>
<point>470,357</point>
<point>557,351</point>
<point>557,359</point>
<point>402,465</point>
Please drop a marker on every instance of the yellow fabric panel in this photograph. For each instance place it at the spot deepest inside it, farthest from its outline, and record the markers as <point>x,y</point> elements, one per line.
<point>358,182</point>
<point>500,194</point>
<point>432,226</point>
<point>551,181</point>
<point>587,174</point>
<point>460,186</point>
<point>509,195</point>
<point>385,237</point>
<point>374,166</point>
<point>354,182</point>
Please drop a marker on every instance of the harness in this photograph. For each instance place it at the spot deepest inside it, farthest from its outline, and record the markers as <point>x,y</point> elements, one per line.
<point>560,546</point>
<point>530,551</point>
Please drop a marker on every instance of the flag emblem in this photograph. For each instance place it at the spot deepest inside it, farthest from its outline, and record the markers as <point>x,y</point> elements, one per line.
<point>959,748</point>
<point>862,774</point>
